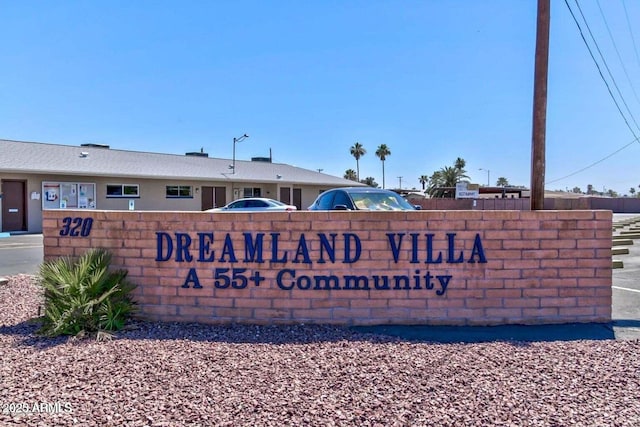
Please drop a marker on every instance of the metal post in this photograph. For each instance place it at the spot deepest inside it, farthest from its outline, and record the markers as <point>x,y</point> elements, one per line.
<point>243,137</point>
<point>488,176</point>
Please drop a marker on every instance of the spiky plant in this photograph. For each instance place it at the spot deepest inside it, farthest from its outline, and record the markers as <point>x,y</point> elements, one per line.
<point>82,296</point>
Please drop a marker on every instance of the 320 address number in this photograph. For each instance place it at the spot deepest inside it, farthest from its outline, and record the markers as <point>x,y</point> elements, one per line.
<point>75,227</point>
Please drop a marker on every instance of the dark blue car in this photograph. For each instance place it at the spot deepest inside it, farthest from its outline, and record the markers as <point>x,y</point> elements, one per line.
<point>361,198</point>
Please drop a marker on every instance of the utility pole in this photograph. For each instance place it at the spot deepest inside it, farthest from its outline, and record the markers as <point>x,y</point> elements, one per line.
<point>540,106</point>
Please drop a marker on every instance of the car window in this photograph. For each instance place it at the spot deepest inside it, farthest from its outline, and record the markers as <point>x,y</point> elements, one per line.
<point>380,201</point>
<point>236,205</point>
<point>361,201</point>
<point>325,201</point>
<point>341,199</point>
<point>255,204</point>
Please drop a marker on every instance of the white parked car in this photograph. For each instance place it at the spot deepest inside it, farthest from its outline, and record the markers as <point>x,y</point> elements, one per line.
<point>253,204</point>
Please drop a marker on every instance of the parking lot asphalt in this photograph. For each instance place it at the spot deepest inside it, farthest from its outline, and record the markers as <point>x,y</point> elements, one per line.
<point>20,254</point>
<point>23,253</point>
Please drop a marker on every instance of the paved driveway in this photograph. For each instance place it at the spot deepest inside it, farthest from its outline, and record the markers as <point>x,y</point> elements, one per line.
<point>20,254</point>
<point>626,291</point>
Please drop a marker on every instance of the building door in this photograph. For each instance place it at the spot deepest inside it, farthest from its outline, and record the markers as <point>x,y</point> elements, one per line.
<point>285,195</point>
<point>206,198</point>
<point>220,197</point>
<point>297,198</point>
<point>14,212</point>
<point>213,197</point>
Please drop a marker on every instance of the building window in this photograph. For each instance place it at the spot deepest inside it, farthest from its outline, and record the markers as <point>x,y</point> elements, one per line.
<point>252,192</point>
<point>179,192</point>
<point>68,195</point>
<point>123,190</point>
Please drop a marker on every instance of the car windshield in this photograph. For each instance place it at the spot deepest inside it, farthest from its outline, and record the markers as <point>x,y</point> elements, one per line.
<point>277,202</point>
<point>380,202</point>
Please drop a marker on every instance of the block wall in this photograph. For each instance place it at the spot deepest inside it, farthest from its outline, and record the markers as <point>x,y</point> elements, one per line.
<point>356,268</point>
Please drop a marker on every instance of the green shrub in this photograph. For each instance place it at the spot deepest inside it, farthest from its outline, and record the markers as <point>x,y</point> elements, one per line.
<point>83,296</point>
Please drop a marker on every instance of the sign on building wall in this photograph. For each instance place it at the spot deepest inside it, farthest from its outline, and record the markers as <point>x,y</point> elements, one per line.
<point>467,191</point>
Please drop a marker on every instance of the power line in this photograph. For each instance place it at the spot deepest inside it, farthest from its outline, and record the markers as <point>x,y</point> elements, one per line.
<point>604,61</point>
<point>615,46</point>
<point>636,138</point>
<point>594,163</point>
<point>633,40</point>
<point>599,69</point>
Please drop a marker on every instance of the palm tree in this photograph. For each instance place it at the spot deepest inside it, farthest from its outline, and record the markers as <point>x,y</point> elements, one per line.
<point>424,179</point>
<point>357,151</point>
<point>460,164</point>
<point>502,182</point>
<point>435,181</point>
<point>451,176</point>
<point>350,174</point>
<point>370,181</point>
<point>382,152</point>
<point>632,191</point>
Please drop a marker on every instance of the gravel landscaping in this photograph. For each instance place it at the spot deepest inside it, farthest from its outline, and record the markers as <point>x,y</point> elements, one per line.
<point>157,374</point>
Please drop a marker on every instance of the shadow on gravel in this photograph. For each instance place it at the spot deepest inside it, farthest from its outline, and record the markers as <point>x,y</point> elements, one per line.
<point>234,333</point>
<point>27,332</point>
<point>305,334</point>
<point>516,333</point>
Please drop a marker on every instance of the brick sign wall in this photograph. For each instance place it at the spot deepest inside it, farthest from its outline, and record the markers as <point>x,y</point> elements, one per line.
<point>361,268</point>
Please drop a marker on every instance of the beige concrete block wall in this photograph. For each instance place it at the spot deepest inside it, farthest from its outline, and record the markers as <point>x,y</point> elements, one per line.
<point>360,268</point>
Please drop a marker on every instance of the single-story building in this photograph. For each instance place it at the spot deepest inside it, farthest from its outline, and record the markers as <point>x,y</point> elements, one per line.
<point>39,176</point>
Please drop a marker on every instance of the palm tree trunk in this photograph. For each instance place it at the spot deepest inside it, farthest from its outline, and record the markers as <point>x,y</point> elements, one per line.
<point>383,174</point>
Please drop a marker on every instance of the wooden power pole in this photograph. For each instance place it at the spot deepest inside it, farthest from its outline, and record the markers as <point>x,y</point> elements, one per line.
<point>540,106</point>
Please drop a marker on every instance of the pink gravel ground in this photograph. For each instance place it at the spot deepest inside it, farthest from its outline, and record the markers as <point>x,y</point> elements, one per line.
<point>157,374</point>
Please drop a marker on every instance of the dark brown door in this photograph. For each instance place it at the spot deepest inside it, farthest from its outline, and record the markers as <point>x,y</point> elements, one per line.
<point>220,198</point>
<point>213,197</point>
<point>285,195</point>
<point>297,198</point>
<point>14,212</point>
<point>206,198</point>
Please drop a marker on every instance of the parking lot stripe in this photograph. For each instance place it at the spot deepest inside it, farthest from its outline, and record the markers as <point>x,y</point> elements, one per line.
<point>626,289</point>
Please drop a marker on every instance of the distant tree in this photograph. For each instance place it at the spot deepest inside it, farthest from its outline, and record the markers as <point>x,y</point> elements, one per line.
<point>576,190</point>
<point>435,181</point>
<point>612,193</point>
<point>424,179</point>
<point>589,189</point>
<point>357,151</point>
<point>350,174</point>
<point>447,176</point>
<point>632,191</point>
<point>370,181</point>
<point>382,152</point>
<point>452,175</point>
<point>502,182</point>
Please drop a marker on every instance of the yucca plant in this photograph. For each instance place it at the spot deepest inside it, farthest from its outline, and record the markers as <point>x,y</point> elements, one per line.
<point>83,296</point>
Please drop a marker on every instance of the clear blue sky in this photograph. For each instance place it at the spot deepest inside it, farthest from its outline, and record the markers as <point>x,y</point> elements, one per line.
<point>432,79</point>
